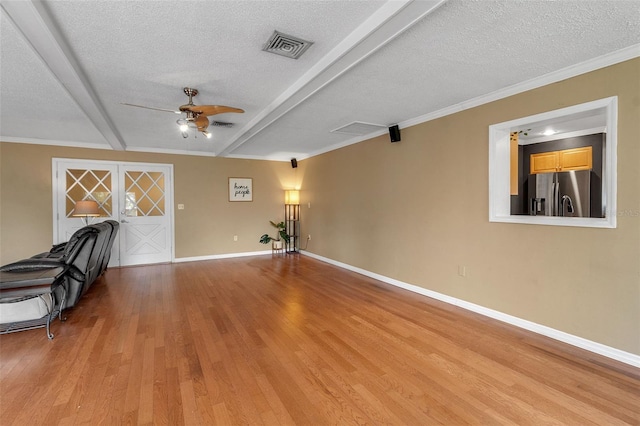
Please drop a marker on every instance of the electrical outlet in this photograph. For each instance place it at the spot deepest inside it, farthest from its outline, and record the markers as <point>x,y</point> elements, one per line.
<point>235,238</point>
<point>180,206</point>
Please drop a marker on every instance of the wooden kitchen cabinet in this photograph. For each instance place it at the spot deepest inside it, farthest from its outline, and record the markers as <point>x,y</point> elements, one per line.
<point>576,159</point>
<point>562,161</point>
<point>544,162</point>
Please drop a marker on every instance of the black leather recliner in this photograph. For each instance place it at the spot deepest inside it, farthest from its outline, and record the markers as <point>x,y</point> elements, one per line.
<point>94,264</point>
<point>115,226</point>
<point>82,259</point>
<point>58,250</point>
<point>74,260</point>
<point>24,284</point>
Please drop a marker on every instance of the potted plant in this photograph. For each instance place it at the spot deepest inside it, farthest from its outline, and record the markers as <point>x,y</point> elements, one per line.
<point>276,242</point>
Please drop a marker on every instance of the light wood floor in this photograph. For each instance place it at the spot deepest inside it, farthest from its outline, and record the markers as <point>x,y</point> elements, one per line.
<point>290,340</point>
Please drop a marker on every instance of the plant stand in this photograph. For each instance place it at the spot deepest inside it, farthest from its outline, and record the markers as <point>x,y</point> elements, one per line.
<point>277,247</point>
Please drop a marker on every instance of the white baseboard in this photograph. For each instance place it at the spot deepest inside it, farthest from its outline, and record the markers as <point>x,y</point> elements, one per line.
<point>220,256</point>
<point>598,348</point>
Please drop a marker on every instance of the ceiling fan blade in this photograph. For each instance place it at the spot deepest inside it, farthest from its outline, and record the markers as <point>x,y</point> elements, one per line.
<point>155,109</point>
<point>201,122</point>
<point>210,109</point>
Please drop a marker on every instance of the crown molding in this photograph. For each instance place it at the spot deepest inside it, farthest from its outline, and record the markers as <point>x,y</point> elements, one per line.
<point>600,62</point>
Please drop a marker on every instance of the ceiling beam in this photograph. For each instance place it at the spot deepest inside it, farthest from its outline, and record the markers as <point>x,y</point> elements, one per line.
<point>391,20</point>
<point>34,22</point>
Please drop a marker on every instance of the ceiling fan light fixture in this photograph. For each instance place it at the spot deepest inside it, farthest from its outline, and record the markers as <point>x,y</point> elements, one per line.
<point>183,124</point>
<point>196,116</point>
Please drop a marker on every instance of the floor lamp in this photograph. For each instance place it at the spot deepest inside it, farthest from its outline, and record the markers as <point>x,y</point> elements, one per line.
<point>86,209</point>
<point>292,219</point>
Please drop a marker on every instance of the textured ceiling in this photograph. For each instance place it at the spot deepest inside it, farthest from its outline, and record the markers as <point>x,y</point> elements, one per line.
<point>67,66</point>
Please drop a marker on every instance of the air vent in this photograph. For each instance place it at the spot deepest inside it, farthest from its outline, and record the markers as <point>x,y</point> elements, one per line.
<point>359,128</point>
<point>221,124</point>
<point>286,45</point>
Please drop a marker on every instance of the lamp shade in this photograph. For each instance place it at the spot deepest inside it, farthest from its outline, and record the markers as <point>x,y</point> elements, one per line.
<point>86,208</point>
<point>292,197</point>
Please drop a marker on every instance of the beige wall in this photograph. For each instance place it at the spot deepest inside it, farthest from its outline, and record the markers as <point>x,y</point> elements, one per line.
<point>416,210</point>
<point>413,211</point>
<point>205,227</point>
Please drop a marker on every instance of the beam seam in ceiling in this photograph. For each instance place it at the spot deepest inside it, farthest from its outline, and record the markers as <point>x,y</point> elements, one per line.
<point>386,24</point>
<point>38,28</point>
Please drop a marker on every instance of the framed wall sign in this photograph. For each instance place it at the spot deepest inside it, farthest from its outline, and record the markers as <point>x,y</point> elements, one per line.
<point>240,189</point>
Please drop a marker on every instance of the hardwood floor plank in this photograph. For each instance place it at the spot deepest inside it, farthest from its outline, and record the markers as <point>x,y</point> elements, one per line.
<point>290,340</point>
<point>189,405</point>
<point>221,414</point>
<point>134,380</point>
<point>160,396</point>
<point>118,390</point>
<point>101,408</point>
<point>174,398</point>
<point>145,403</point>
<point>278,409</point>
<point>343,405</point>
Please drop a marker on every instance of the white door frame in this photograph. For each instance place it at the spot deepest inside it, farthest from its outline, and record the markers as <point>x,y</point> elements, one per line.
<point>169,188</point>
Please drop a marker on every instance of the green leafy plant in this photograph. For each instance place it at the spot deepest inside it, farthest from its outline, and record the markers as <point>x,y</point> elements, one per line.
<point>282,233</point>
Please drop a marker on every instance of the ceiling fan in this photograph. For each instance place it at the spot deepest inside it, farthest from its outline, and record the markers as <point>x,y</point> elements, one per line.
<point>195,115</point>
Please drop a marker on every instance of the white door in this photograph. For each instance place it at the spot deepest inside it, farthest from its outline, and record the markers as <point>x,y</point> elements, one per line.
<point>83,180</point>
<point>145,220</point>
<point>139,196</point>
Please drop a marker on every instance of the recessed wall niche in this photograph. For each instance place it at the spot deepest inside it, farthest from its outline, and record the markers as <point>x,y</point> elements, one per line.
<point>561,132</point>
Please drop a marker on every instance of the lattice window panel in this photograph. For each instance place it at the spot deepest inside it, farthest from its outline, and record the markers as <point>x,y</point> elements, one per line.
<point>84,184</point>
<point>144,193</point>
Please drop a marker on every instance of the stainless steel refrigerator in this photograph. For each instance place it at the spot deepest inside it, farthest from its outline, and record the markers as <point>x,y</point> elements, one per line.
<point>560,194</point>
